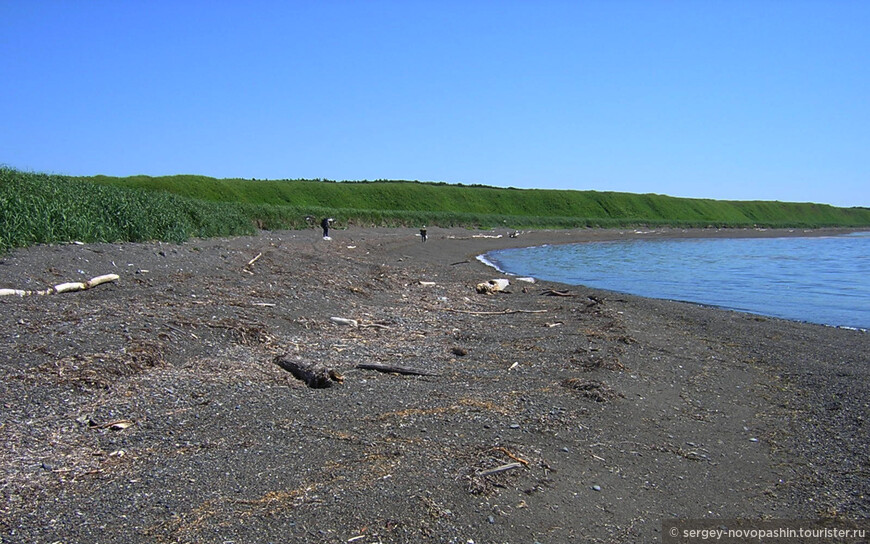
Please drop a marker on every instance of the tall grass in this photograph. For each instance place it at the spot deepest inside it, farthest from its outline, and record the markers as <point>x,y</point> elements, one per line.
<point>40,208</point>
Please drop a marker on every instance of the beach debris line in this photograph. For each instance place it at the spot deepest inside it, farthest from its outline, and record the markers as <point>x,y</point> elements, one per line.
<point>395,369</point>
<point>492,287</point>
<point>63,287</point>
<point>315,376</point>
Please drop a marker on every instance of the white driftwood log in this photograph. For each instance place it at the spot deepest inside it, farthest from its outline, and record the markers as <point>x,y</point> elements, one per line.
<point>62,287</point>
<point>105,278</point>
<point>10,292</point>
<point>71,286</point>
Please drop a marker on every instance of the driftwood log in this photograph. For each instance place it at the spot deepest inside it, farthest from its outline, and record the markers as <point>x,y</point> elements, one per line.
<point>314,375</point>
<point>393,369</point>
<point>62,287</point>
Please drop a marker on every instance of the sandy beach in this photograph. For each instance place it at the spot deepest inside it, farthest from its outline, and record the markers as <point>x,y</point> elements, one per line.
<point>151,409</point>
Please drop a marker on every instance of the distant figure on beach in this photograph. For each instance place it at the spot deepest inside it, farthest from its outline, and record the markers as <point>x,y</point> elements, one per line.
<point>423,233</point>
<point>327,221</point>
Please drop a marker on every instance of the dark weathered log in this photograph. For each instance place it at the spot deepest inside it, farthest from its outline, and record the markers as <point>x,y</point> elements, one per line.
<point>314,375</point>
<point>393,369</point>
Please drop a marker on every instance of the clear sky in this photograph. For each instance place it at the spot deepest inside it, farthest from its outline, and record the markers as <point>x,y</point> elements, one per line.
<point>744,100</point>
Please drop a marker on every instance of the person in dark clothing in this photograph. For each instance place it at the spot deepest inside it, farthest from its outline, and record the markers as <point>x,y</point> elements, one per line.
<point>327,221</point>
<point>423,234</point>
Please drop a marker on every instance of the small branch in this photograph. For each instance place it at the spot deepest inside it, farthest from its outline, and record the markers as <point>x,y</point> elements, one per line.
<point>555,293</point>
<point>393,369</point>
<point>356,324</point>
<point>511,455</point>
<point>247,268</point>
<point>252,261</point>
<point>503,468</point>
<point>373,326</point>
<point>345,321</point>
<point>503,312</point>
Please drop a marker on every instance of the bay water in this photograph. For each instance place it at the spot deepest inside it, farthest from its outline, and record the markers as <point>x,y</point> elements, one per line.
<point>823,280</point>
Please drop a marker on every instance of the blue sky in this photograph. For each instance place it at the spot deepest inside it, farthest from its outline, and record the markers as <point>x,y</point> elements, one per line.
<point>766,100</point>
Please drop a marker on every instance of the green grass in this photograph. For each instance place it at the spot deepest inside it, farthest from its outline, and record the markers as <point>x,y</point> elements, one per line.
<point>40,208</point>
<point>489,201</point>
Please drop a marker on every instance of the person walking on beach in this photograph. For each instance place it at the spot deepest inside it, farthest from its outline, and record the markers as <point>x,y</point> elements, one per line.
<point>423,233</point>
<point>327,221</point>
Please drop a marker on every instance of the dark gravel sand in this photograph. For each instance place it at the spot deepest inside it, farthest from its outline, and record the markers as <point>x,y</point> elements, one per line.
<point>150,409</point>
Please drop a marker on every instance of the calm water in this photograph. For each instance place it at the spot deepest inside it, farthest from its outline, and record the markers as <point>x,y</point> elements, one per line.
<point>820,280</point>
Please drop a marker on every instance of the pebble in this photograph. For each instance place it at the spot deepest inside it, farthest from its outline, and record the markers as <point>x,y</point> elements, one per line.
<point>515,425</point>
<point>490,519</point>
<point>753,440</point>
